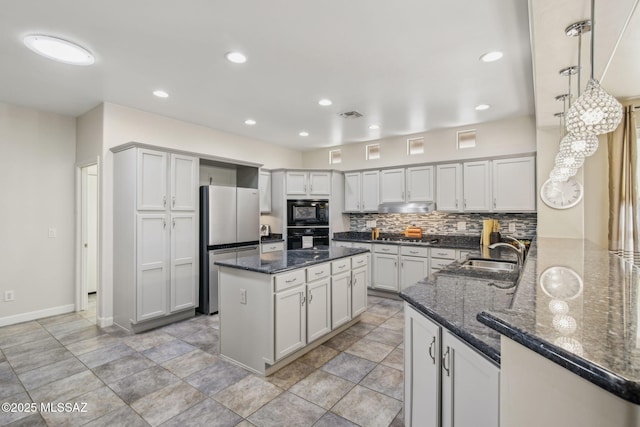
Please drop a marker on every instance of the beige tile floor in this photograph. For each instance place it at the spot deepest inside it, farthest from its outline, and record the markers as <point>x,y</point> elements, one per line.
<point>173,376</point>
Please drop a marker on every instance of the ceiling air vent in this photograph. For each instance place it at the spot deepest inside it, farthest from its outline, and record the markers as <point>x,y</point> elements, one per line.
<point>350,115</point>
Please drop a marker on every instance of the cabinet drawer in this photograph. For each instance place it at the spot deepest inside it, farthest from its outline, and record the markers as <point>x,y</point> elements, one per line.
<point>340,266</point>
<point>287,280</point>
<point>358,261</point>
<point>318,272</point>
<point>414,251</point>
<point>272,247</point>
<point>361,245</point>
<point>438,263</point>
<point>386,249</point>
<point>443,253</point>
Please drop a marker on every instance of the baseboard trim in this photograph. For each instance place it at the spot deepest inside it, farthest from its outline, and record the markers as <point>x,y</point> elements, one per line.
<point>34,315</point>
<point>103,322</point>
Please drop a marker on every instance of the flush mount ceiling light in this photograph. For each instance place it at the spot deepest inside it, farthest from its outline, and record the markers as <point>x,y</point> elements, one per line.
<point>595,111</point>
<point>236,57</point>
<point>160,93</point>
<point>325,102</point>
<point>483,107</point>
<point>250,122</point>
<point>491,56</point>
<point>304,133</point>
<point>59,50</point>
<point>374,127</point>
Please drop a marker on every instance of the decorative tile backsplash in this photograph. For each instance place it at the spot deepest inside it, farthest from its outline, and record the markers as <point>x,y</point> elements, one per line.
<point>447,222</point>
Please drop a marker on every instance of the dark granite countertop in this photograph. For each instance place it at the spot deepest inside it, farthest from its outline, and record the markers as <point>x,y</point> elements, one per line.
<point>291,259</point>
<point>454,296</point>
<point>452,241</point>
<point>578,305</point>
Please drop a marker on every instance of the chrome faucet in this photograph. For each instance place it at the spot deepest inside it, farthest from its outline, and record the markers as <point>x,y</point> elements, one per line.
<point>518,250</point>
<point>521,245</point>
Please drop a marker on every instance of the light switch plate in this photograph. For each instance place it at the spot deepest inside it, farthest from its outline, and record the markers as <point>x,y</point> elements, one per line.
<point>462,225</point>
<point>243,296</point>
<point>9,296</point>
<point>512,227</point>
<point>53,233</point>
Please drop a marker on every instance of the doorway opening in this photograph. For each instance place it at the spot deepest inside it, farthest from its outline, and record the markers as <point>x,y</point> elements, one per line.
<point>89,242</point>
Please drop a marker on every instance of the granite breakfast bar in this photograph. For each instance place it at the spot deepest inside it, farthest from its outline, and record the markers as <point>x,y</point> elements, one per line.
<point>277,306</point>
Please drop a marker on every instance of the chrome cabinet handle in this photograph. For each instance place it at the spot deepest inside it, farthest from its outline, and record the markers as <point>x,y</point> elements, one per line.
<point>445,361</point>
<point>361,261</point>
<point>465,204</point>
<point>173,223</point>
<point>413,252</point>
<point>402,195</point>
<point>494,202</point>
<point>304,299</point>
<point>310,297</point>
<point>311,188</point>
<point>291,280</point>
<point>164,200</point>
<point>319,273</point>
<point>173,201</point>
<point>431,350</point>
<point>456,203</point>
<point>164,223</point>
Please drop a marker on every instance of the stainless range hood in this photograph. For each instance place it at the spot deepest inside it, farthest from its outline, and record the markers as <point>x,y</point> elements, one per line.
<point>402,207</point>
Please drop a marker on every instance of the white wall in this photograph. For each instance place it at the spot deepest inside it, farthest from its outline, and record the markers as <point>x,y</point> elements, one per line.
<point>596,195</point>
<point>90,128</point>
<point>498,138</point>
<point>123,124</point>
<point>37,178</point>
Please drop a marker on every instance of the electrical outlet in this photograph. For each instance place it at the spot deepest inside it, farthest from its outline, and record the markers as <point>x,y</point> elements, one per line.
<point>512,227</point>
<point>373,223</point>
<point>9,296</point>
<point>368,224</point>
<point>462,225</point>
<point>243,296</point>
<point>53,233</point>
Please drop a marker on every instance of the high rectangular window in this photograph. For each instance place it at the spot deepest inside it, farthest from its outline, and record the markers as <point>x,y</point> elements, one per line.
<point>415,146</point>
<point>335,157</point>
<point>466,139</point>
<point>372,152</point>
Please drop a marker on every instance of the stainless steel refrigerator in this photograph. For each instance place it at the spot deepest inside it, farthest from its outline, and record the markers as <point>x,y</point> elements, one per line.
<point>229,228</point>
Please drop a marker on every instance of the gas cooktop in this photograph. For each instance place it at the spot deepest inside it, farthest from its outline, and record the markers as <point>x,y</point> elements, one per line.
<point>401,239</point>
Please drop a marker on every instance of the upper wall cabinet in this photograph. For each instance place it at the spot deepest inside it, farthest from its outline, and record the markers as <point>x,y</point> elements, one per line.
<point>476,186</point>
<point>514,184</point>
<point>449,187</point>
<point>308,184</point>
<point>264,183</point>
<point>361,191</point>
<point>406,185</point>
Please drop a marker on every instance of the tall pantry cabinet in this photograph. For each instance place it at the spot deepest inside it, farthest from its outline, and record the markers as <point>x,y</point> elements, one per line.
<point>155,237</point>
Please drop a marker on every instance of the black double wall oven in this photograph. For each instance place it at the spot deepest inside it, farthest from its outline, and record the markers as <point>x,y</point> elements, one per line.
<point>307,223</point>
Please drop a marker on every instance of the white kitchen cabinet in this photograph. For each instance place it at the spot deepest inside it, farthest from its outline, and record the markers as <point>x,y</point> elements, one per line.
<point>422,360</point>
<point>447,382</point>
<point>358,286</point>
<point>412,270</point>
<point>340,299</point>
<point>266,247</point>
<point>514,185</point>
<point>290,320</point>
<point>440,258</point>
<point>420,184</point>
<point>155,238</point>
<point>477,186</point>
<point>361,191</point>
<point>385,274</point>
<point>352,188</point>
<point>449,187</point>
<point>264,184</point>
<point>308,183</point>
<point>470,386</point>
<point>392,185</point>
<point>318,308</point>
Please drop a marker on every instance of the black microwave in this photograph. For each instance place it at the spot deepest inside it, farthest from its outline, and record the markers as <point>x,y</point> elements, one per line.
<point>307,213</point>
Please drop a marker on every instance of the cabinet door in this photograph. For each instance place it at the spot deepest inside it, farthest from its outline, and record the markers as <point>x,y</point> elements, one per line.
<point>477,186</point>
<point>340,299</point>
<point>152,180</point>
<point>514,184</point>
<point>264,183</point>
<point>412,270</point>
<point>318,308</point>
<point>183,261</point>
<point>470,386</point>
<point>296,183</point>
<point>392,185</point>
<point>358,291</point>
<point>422,370</point>
<point>184,182</point>
<point>352,192</point>
<point>291,318</point>
<point>449,187</point>
<point>151,266</point>
<point>370,191</point>
<point>420,184</point>
<point>385,274</point>
<point>319,183</point>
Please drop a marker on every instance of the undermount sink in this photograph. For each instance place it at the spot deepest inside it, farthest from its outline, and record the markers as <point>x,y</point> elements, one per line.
<point>498,266</point>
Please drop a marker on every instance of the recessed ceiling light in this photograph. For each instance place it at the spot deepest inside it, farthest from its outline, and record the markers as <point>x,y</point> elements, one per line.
<point>236,57</point>
<point>250,122</point>
<point>160,93</point>
<point>325,102</point>
<point>491,56</point>
<point>374,127</point>
<point>304,133</point>
<point>59,50</point>
<point>483,107</point>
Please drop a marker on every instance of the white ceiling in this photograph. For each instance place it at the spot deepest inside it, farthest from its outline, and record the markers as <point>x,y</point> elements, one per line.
<point>409,65</point>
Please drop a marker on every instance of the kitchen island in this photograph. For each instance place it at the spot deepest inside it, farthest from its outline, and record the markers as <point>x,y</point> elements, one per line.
<point>277,306</point>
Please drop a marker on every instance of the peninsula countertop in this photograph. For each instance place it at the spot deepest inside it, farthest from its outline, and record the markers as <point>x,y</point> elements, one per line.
<point>291,259</point>
<point>577,305</point>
